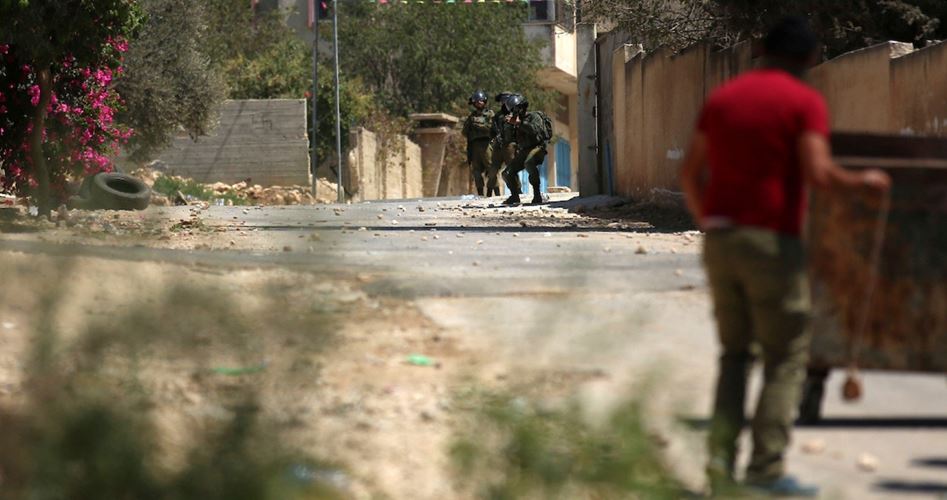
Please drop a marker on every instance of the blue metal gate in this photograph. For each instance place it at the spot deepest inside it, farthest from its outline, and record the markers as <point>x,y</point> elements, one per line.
<point>563,163</point>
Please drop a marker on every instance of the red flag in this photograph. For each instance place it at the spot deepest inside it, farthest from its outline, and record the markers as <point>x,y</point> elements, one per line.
<point>311,18</point>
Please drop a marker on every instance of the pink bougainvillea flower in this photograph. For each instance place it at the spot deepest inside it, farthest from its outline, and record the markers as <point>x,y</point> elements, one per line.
<point>34,92</point>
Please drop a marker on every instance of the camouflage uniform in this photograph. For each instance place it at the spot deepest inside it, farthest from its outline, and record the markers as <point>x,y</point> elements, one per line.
<point>530,152</point>
<point>502,150</point>
<point>477,132</point>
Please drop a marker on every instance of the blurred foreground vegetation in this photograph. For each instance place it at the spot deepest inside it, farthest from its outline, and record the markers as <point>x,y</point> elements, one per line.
<point>516,447</point>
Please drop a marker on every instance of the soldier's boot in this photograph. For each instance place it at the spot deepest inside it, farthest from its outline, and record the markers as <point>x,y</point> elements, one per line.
<point>478,181</point>
<point>537,195</point>
<point>514,199</point>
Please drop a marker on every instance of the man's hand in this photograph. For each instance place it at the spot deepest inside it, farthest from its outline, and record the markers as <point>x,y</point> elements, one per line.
<point>877,180</point>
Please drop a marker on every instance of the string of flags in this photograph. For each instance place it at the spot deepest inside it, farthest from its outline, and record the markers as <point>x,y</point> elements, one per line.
<point>446,1</point>
<point>319,9</point>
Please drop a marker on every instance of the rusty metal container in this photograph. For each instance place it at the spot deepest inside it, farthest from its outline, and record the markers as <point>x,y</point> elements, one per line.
<point>907,315</point>
<point>906,328</point>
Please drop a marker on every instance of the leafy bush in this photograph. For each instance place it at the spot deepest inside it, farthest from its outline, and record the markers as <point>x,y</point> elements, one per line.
<point>514,448</point>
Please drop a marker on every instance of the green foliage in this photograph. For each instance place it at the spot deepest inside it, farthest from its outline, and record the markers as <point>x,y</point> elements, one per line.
<point>430,57</point>
<point>170,186</point>
<point>842,25</point>
<point>261,58</point>
<point>513,448</point>
<point>169,82</point>
<point>84,428</point>
<point>46,32</point>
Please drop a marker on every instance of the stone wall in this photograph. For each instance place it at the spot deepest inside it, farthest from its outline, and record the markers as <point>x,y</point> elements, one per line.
<point>263,140</point>
<point>656,97</point>
<point>377,172</point>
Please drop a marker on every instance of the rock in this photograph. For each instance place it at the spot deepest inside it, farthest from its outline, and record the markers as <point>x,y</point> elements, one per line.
<point>641,250</point>
<point>287,248</point>
<point>192,397</point>
<point>867,462</point>
<point>813,446</point>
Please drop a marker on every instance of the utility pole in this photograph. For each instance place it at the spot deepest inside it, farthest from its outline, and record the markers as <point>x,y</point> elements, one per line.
<point>313,154</point>
<point>338,115</point>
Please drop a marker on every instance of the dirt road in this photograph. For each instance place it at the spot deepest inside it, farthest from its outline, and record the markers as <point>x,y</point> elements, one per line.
<point>609,308</point>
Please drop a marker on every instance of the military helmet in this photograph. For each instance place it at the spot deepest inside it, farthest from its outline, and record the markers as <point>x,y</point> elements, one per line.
<point>478,96</point>
<point>502,96</point>
<point>515,104</point>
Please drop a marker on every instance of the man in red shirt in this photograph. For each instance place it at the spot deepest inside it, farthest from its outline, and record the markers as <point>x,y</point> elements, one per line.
<point>760,140</point>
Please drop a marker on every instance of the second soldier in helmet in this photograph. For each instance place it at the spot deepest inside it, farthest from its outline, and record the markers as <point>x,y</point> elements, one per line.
<point>477,131</point>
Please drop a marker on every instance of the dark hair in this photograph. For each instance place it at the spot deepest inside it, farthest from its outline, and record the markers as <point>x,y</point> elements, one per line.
<point>792,39</point>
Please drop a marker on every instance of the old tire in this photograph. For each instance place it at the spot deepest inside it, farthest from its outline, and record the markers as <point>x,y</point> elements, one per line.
<point>813,391</point>
<point>114,191</point>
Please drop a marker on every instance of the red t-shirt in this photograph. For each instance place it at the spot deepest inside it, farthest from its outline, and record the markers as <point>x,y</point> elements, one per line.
<point>753,124</point>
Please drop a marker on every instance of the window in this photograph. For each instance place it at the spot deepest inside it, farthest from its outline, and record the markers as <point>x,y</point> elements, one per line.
<point>542,10</point>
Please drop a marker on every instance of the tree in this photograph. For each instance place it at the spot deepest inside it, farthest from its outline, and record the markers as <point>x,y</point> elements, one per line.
<point>261,58</point>
<point>842,25</point>
<point>60,57</point>
<point>427,57</point>
<point>169,82</point>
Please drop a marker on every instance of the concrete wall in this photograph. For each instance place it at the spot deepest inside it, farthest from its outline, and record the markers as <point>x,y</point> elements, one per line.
<point>376,171</point>
<point>857,87</point>
<point>919,92</point>
<point>654,112</point>
<point>413,186</point>
<point>264,140</point>
<point>655,100</point>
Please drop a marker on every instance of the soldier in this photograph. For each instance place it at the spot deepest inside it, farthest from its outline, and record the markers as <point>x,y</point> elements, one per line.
<point>533,133</point>
<point>476,130</point>
<point>502,146</point>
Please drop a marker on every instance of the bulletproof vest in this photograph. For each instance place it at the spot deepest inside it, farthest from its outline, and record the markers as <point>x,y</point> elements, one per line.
<point>530,131</point>
<point>477,125</point>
